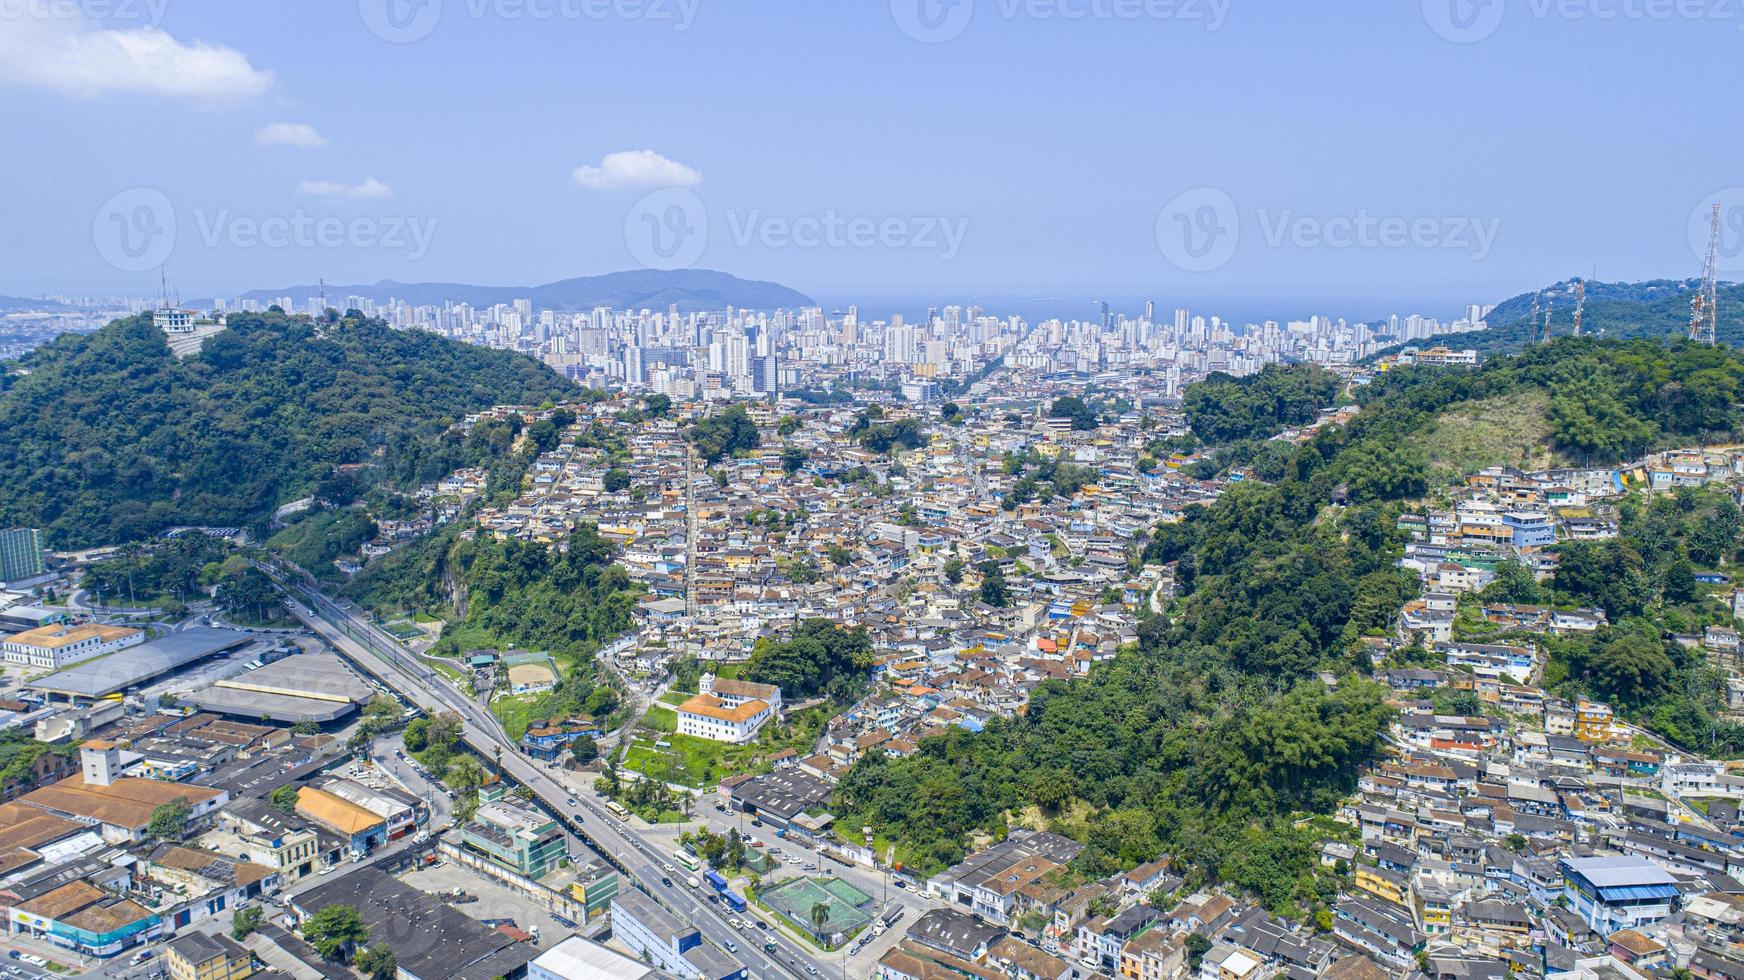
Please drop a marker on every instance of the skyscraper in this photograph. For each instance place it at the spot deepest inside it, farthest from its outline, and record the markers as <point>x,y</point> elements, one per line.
<point>21,554</point>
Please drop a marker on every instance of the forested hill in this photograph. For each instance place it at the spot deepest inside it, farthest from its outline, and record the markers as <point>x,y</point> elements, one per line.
<point>108,437</point>
<point>1621,310</point>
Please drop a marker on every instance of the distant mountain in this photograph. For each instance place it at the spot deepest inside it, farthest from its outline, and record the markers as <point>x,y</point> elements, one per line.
<point>690,289</point>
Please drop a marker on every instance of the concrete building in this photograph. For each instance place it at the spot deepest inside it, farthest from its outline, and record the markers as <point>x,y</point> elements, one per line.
<point>21,554</point>
<point>120,806</point>
<point>673,946</point>
<point>728,710</point>
<point>58,645</point>
<point>515,837</point>
<point>576,958</point>
<point>362,830</point>
<point>1613,893</point>
<point>197,956</point>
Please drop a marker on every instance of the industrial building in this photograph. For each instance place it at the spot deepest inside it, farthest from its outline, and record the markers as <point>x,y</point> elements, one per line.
<point>139,664</point>
<point>315,687</point>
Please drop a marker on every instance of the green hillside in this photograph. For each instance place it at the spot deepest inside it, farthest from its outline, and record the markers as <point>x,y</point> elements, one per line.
<point>1215,736</point>
<point>1621,310</point>
<point>108,437</point>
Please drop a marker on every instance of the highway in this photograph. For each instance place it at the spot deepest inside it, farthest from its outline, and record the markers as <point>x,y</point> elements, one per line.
<point>384,658</point>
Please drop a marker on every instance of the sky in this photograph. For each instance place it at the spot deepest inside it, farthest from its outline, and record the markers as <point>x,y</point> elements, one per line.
<point>1251,157</point>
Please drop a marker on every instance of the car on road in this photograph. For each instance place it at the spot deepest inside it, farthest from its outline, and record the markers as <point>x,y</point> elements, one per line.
<point>809,867</point>
<point>732,947</point>
<point>667,882</point>
<point>572,803</point>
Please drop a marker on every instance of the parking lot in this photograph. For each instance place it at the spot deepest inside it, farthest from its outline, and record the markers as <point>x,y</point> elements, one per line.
<point>495,901</point>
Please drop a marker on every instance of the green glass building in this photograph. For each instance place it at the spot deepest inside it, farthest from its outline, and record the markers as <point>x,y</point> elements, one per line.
<point>21,554</point>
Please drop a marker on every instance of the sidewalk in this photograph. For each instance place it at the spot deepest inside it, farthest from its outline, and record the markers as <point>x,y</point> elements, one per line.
<point>65,958</point>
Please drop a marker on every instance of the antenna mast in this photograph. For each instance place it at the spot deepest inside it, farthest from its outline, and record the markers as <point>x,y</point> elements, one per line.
<point>1704,308</point>
<point>1580,304</point>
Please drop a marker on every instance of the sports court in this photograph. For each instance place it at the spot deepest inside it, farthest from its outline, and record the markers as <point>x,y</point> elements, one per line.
<point>850,908</point>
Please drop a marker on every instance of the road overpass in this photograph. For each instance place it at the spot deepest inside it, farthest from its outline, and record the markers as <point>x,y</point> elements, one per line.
<point>342,625</point>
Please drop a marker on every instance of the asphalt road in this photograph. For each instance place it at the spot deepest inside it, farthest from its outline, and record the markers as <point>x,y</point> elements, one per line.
<point>384,658</point>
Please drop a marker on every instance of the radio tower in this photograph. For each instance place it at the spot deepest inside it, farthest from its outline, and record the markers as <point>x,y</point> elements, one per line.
<point>1704,308</point>
<point>1549,309</point>
<point>1537,302</point>
<point>1580,304</point>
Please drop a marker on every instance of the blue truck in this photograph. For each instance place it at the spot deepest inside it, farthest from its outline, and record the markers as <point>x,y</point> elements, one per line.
<point>733,901</point>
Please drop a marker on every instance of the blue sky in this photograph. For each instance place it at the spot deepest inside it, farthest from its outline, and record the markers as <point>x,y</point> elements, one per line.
<point>1018,152</point>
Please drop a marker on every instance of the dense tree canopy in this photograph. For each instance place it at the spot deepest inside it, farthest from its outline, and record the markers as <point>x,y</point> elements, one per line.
<point>1225,409</point>
<point>724,433</point>
<point>110,437</point>
<point>819,658</point>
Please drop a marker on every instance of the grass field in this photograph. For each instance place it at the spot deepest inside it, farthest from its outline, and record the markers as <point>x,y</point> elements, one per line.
<point>660,720</point>
<point>515,711</point>
<point>403,630</point>
<point>689,761</point>
<point>1509,430</point>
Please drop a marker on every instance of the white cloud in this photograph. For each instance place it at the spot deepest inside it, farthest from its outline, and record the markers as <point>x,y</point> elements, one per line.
<point>635,169</point>
<point>69,56</point>
<point>289,134</point>
<point>369,190</point>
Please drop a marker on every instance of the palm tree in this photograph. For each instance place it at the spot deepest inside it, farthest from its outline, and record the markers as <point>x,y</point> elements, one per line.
<point>820,916</point>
